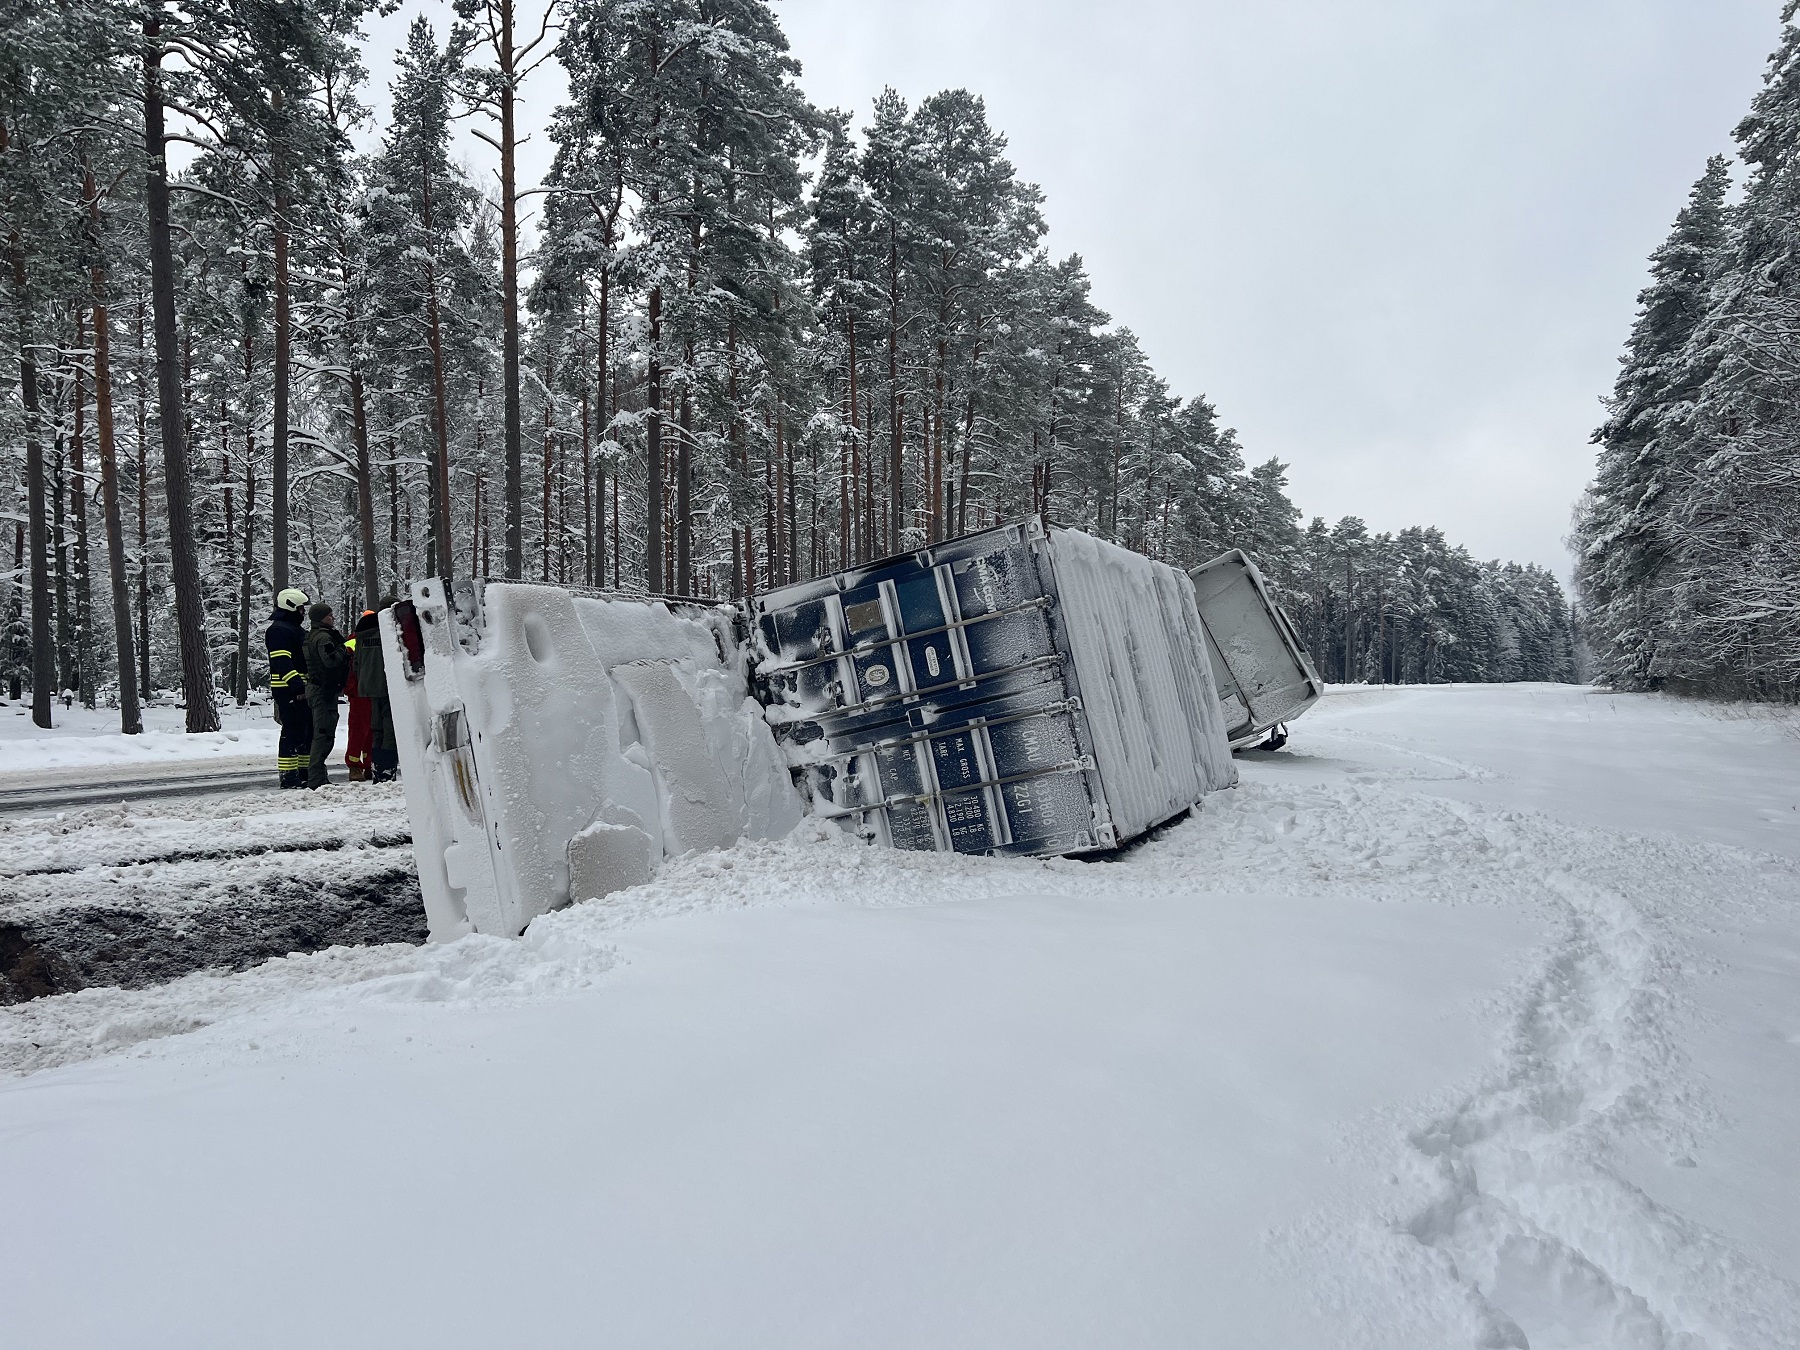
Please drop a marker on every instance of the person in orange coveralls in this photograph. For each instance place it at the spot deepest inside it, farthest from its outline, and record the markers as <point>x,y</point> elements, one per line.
<point>359,753</point>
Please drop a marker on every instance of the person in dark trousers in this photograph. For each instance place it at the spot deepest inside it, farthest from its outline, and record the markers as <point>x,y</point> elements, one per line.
<point>371,683</point>
<point>287,686</point>
<point>327,663</point>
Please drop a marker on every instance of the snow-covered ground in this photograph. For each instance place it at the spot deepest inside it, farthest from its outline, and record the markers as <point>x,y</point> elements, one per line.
<point>1473,1019</point>
<point>81,737</point>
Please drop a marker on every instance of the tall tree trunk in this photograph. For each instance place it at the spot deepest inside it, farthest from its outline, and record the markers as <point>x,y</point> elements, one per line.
<point>477,515</point>
<point>743,580</point>
<point>968,444</point>
<point>787,524</point>
<point>284,328</point>
<point>896,449</point>
<point>684,454</point>
<point>59,564</point>
<point>608,406</point>
<point>1118,439</point>
<point>440,402</point>
<point>365,488</point>
<point>937,446</point>
<point>15,682</point>
<point>509,289</point>
<point>587,485</point>
<point>246,572</point>
<point>131,720</point>
<point>143,513</point>
<point>684,488</point>
<point>870,538</point>
<point>393,494</point>
<point>844,529</point>
<point>43,656</point>
<point>653,451</point>
<point>78,501</point>
<point>190,622</point>
<point>771,489</point>
<point>548,457</point>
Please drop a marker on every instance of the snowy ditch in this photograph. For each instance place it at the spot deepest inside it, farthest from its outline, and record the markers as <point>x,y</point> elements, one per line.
<point>137,895</point>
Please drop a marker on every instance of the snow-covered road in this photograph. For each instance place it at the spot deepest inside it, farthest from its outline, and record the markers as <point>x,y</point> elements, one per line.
<point>1408,1041</point>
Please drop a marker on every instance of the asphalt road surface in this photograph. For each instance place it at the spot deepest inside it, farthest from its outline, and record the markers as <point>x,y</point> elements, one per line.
<point>65,789</point>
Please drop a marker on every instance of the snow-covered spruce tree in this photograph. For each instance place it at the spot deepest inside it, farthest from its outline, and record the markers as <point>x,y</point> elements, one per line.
<point>839,263</point>
<point>1737,522</point>
<point>579,259</point>
<point>1625,542</point>
<point>1689,555</point>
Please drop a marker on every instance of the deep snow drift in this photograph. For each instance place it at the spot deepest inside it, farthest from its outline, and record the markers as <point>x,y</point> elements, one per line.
<point>1404,1042</point>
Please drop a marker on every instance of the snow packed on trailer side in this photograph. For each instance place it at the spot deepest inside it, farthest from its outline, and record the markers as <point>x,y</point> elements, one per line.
<point>594,737</point>
<point>1146,684</point>
<point>1406,1042</point>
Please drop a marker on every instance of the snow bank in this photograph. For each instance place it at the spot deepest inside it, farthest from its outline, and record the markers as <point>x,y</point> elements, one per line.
<point>89,738</point>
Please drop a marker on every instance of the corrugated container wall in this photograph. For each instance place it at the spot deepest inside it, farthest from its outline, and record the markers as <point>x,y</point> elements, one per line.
<point>1019,691</point>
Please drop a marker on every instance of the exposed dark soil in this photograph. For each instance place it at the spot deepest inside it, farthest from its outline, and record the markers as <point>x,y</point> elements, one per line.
<point>125,934</point>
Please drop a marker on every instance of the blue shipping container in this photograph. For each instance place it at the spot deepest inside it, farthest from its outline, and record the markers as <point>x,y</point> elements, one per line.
<point>1023,690</point>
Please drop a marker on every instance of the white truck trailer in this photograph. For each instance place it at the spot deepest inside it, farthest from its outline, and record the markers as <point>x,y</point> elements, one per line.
<point>1022,690</point>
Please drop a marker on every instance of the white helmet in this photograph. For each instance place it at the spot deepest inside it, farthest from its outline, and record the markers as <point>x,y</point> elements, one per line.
<point>291,600</point>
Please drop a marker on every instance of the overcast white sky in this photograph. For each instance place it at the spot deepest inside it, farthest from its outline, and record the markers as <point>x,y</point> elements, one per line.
<point>1397,242</point>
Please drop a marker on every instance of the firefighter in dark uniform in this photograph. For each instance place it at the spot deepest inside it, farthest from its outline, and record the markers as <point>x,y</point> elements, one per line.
<point>287,685</point>
<point>327,666</point>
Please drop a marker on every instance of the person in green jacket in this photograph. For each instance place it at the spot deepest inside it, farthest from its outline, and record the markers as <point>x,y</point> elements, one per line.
<point>327,667</point>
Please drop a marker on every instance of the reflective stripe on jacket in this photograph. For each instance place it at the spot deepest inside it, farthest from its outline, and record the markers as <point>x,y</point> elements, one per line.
<point>287,656</point>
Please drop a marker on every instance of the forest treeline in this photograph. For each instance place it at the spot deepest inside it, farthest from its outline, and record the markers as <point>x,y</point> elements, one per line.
<point>753,341</point>
<point>1688,539</point>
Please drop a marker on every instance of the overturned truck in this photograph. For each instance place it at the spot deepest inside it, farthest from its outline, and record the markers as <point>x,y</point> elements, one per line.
<point>1022,690</point>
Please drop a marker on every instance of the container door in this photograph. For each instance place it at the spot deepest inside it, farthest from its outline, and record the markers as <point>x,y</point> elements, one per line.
<point>1263,672</point>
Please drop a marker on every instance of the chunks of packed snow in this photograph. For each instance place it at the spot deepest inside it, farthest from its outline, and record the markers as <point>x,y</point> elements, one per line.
<point>583,738</point>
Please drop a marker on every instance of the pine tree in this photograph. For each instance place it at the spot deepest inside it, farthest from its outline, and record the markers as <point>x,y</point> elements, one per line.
<point>1627,533</point>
